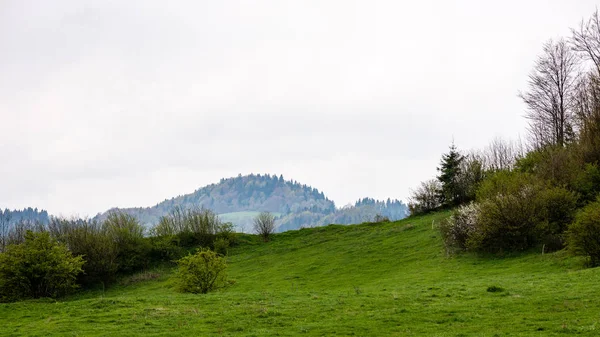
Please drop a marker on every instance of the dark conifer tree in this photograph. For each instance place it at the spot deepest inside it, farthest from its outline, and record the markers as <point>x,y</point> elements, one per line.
<point>451,193</point>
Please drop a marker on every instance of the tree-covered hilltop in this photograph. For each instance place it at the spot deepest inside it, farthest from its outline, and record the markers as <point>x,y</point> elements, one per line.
<point>31,215</point>
<point>296,205</point>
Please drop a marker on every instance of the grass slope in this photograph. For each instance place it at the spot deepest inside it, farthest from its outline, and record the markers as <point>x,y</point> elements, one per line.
<point>365,280</point>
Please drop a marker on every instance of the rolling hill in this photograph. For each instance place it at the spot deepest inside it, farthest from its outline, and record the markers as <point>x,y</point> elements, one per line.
<point>391,279</point>
<point>296,205</point>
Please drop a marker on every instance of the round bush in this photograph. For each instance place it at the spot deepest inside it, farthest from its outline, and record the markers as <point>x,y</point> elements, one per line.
<point>584,233</point>
<point>38,267</point>
<point>201,272</point>
<point>457,229</point>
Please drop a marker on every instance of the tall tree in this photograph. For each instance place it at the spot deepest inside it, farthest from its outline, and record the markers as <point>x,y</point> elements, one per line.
<point>586,41</point>
<point>549,98</point>
<point>450,172</point>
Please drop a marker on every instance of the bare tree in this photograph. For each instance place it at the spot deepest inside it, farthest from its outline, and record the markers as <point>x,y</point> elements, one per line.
<point>549,98</point>
<point>426,197</point>
<point>587,100</point>
<point>500,154</point>
<point>586,40</point>
<point>264,225</point>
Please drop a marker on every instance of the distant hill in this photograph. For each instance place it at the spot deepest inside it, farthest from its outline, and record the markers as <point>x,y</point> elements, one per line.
<point>30,215</point>
<point>296,205</point>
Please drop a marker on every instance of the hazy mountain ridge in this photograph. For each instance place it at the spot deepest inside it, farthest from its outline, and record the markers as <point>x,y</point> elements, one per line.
<point>298,205</point>
<point>30,215</point>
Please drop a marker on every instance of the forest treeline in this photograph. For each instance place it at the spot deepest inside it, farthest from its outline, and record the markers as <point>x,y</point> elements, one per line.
<point>53,259</point>
<point>544,192</point>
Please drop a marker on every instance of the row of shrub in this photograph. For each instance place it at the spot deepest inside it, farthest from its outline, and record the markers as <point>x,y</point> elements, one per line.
<point>50,261</point>
<point>548,199</point>
<point>546,193</point>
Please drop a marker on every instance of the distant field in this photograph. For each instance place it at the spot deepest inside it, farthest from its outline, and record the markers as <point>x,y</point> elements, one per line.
<point>242,218</point>
<point>365,280</point>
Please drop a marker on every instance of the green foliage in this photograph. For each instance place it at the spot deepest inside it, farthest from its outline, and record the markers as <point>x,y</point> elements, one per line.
<point>89,239</point>
<point>587,183</point>
<point>515,211</point>
<point>558,207</point>
<point>584,233</point>
<point>221,246</point>
<point>128,236</point>
<point>193,227</point>
<point>226,231</point>
<point>38,267</point>
<point>452,193</point>
<point>472,173</point>
<point>202,272</point>
<point>459,228</point>
<point>165,248</point>
<point>504,183</point>
<point>426,198</point>
<point>303,283</point>
<point>507,222</point>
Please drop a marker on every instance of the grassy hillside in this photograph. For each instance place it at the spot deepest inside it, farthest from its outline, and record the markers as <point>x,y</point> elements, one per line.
<point>365,280</point>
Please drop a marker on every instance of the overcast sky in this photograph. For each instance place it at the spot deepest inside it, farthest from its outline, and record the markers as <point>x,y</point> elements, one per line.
<point>127,103</point>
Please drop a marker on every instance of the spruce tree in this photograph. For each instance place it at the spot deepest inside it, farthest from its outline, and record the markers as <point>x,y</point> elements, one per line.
<point>451,193</point>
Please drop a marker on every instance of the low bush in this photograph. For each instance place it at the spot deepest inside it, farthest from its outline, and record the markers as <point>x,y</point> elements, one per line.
<point>193,227</point>
<point>89,239</point>
<point>202,272</point>
<point>558,207</point>
<point>426,198</point>
<point>587,183</point>
<point>584,233</point>
<point>165,248</point>
<point>264,225</point>
<point>457,229</point>
<point>38,267</point>
<point>128,235</point>
<point>509,213</point>
<point>221,246</point>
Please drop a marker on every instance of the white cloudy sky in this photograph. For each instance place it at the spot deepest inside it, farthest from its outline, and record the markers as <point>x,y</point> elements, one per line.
<point>126,103</point>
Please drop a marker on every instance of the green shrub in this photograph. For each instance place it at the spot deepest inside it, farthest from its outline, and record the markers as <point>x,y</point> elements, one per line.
<point>193,227</point>
<point>89,239</point>
<point>226,231</point>
<point>457,229</point>
<point>165,248</point>
<point>558,207</point>
<point>507,222</point>
<point>584,233</point>
<point>221,245</point>
<point>518,211</point>
<point>587,183</point>
<point>555,165</point>
<point>504,183</point>
<point>509,213</point>
<point>38,267</point>
<point>128,235</point>
<point>201,272</point>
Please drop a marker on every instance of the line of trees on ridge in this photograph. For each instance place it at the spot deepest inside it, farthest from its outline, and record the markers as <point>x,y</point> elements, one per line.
<point>545,193</point>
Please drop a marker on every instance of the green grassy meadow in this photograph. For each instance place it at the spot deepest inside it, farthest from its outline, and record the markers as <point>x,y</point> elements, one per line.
<point>363,280</point>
